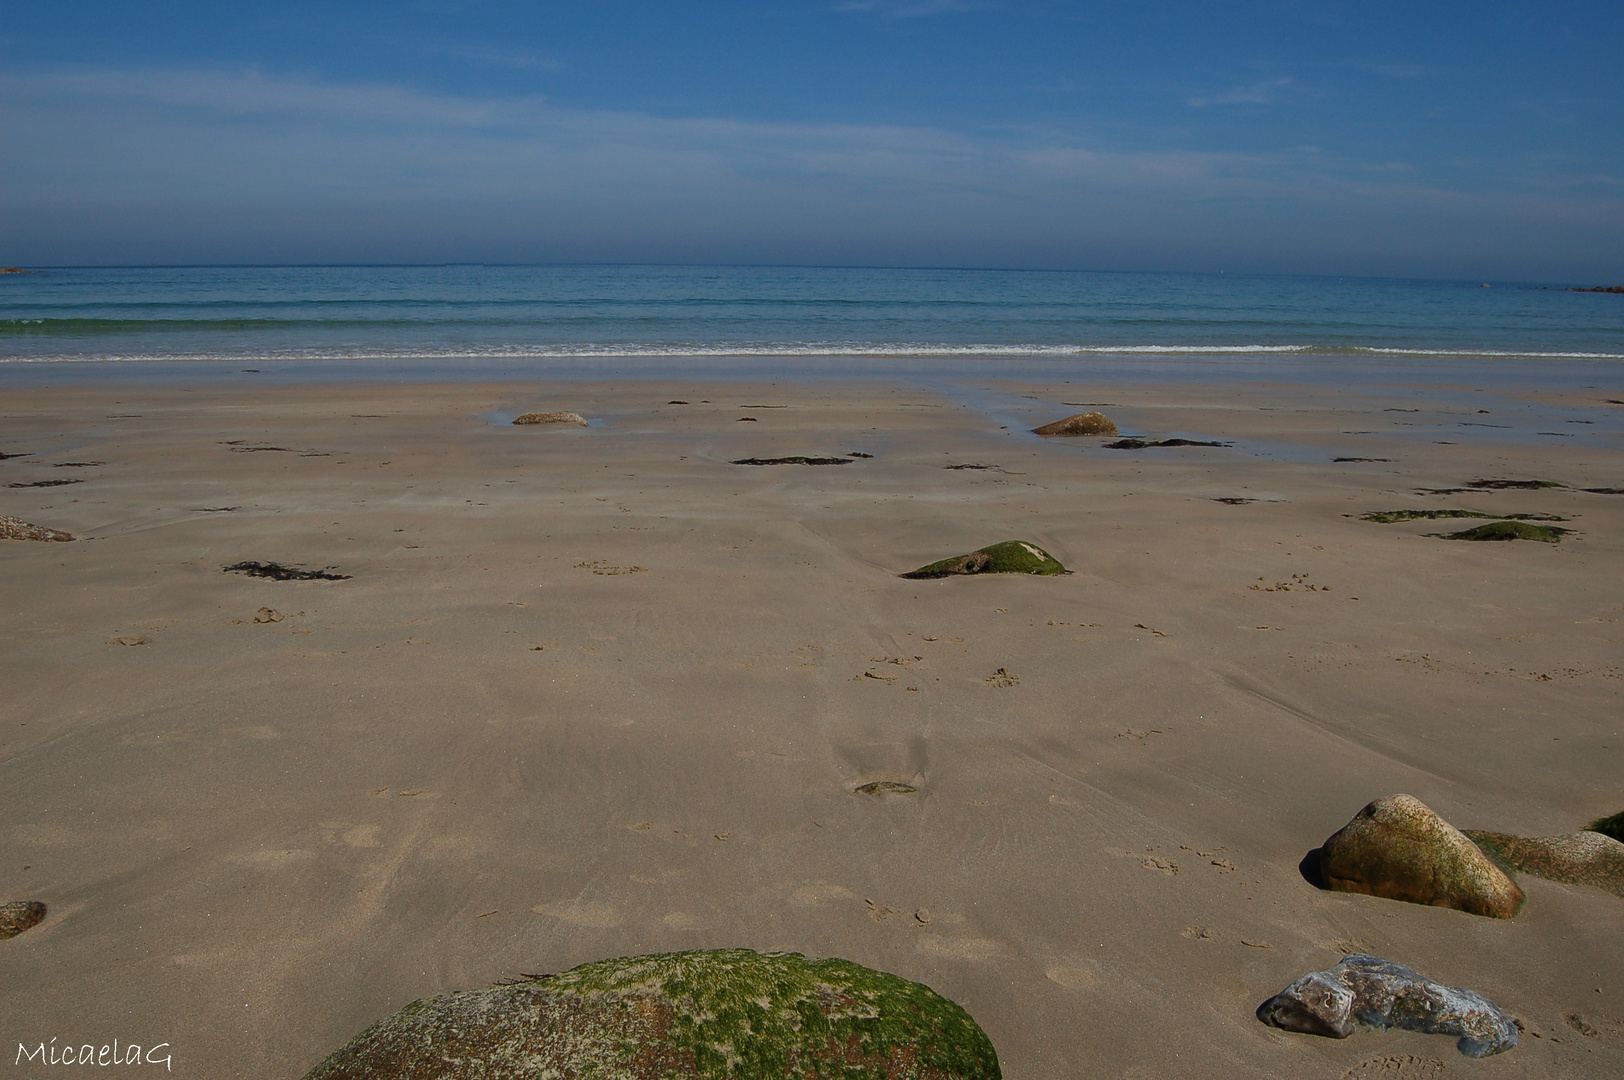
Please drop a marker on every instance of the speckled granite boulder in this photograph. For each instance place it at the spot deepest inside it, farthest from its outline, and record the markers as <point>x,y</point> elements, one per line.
<point>1008,557</point>
<point>573,419</point>
<point>728,1013</point>
<point>1396,847</point>
<point>19,915</point>
<point>1581,858</point>
<point>15,528</point>
<point>1367,991</point>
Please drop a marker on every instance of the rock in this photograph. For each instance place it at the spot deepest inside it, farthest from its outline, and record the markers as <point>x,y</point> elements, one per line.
<point>721,1013</point>
<point>12,528</point>
<point>268,615</point>
<point>1510,530</point>
<point>1009,557</point>
<point>551,418</point>
<point>1581,858</point>
<point>19,915</point>
<point>1396,847</point>
<point>1087,423</point>
<point>1367,991</point>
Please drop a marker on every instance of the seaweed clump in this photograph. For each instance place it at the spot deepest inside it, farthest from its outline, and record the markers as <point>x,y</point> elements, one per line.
<point>795,459</point>
<point>1008,557</point>
<point>1387,517</point>
<point>1510,530</point>
<point>1145,444</point>
<point>886,787</point>
<point>278,572</point>
<point>723,1013</point>
<point>1609,826</point>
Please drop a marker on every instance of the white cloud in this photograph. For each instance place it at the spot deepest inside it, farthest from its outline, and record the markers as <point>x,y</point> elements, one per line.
<point>1262,92</point>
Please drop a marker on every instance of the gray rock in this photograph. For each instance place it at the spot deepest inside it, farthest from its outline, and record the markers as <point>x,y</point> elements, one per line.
<point>1367,991</point>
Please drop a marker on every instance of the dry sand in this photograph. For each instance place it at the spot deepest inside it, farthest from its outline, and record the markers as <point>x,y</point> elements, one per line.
<point>595,692</point>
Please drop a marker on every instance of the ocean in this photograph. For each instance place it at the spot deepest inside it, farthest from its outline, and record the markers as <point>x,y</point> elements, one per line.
<point>496,320</point>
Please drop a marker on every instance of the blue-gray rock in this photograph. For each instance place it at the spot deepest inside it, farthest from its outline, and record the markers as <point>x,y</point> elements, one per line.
<point>1367,991</point>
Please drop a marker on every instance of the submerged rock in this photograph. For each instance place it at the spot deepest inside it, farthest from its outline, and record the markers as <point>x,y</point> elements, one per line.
<point>730,1013</point>
<point>1367,991</point>
<point>1009,557</point>
<point>1581,858</point>
<point>14,528</point>
<point>551,418</point>
<point>1398,848</point>
<point>1087,423</point>
<point>19,915</point>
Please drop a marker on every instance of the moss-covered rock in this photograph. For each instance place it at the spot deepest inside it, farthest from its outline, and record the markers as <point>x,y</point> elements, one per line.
<point>1581,858</point>
<point>1009,557</point>
<point>1087,423</point>
<point>1510,530</point>
<point>573,419</point>
<point>729,1013</point>
<point>1398,848</point>
<point>19,915</point>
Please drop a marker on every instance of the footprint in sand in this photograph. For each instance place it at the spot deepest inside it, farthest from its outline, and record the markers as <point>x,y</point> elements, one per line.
<point>818,893</point>
<point>1397,1067</point>
<point>682,920</point>
<point>581,913</point>
<point>953,948</point>
<point>355,836</point>
<point>1072,976</point>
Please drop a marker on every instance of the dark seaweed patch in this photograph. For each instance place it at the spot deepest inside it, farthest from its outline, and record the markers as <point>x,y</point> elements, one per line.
<point>1387,517</point>
<point>1512,485</point>
<point>794,459</point>
<point>278,572</point>
<point>1609,826</point>
<point>1143,444</point>
<point>1335,459</point>
<point>1604,491</point>
<point>46,483</point>
<point>858,453</point>
<point>8,457</point>
<point>77,464</point>
<point>1234,500</point>
<point>882,787</point>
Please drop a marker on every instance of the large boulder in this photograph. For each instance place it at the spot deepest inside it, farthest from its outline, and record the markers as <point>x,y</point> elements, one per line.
<point>1087,423</point>
<point>1581,858</point>
<point>1008,557</point>
<point>15,528</point>
<point>1367,991</point>
<point>728,1013</point>
<point>1396,847</point>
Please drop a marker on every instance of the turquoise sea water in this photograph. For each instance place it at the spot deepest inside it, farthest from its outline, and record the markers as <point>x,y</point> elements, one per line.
<point>480,318</point>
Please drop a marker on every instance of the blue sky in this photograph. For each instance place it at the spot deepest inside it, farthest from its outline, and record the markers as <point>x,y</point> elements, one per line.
<point>1459,140</point>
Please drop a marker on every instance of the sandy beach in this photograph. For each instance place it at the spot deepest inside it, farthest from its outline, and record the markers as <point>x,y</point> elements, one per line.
<point>577,693</point>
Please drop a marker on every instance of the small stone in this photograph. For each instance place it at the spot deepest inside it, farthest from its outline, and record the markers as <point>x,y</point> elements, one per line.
<point>1088,423</point>
<point>19,915</point>
<point>1399,849</point>
<point>268,615</point>
<point>1369,992</point>
<point>551,418</point>
<point>14,528</point>
<point>718,1013</point>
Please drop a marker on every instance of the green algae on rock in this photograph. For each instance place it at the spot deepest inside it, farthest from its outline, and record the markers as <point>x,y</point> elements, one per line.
<point>1388,517</point>
<point>1396,847</point>
<point>724,1013</point>
<point>1581,858</point>
<point>1510,530</point>
<point>1008,557</point>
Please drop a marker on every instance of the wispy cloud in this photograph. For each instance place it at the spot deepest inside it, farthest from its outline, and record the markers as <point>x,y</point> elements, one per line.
<point>144,165</point>
<point>517,59</point>
<point>913,9</point>
<point>1262,92</point>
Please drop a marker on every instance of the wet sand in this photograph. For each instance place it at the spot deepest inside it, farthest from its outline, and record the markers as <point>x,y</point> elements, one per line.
<point>590,692</point>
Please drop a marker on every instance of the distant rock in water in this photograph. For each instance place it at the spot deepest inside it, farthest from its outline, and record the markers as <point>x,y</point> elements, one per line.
<point>1008,557</point>
<point>551,418</point>
<point>724,1013</point>
<point>1581,858</point>
<point>12,528</point>
<point>1367,991</point>
<point>16,270</point>
<point>1598,288</point>
<point>20,915</point>
<point>1087,423</point>
<point>1399,849</point>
